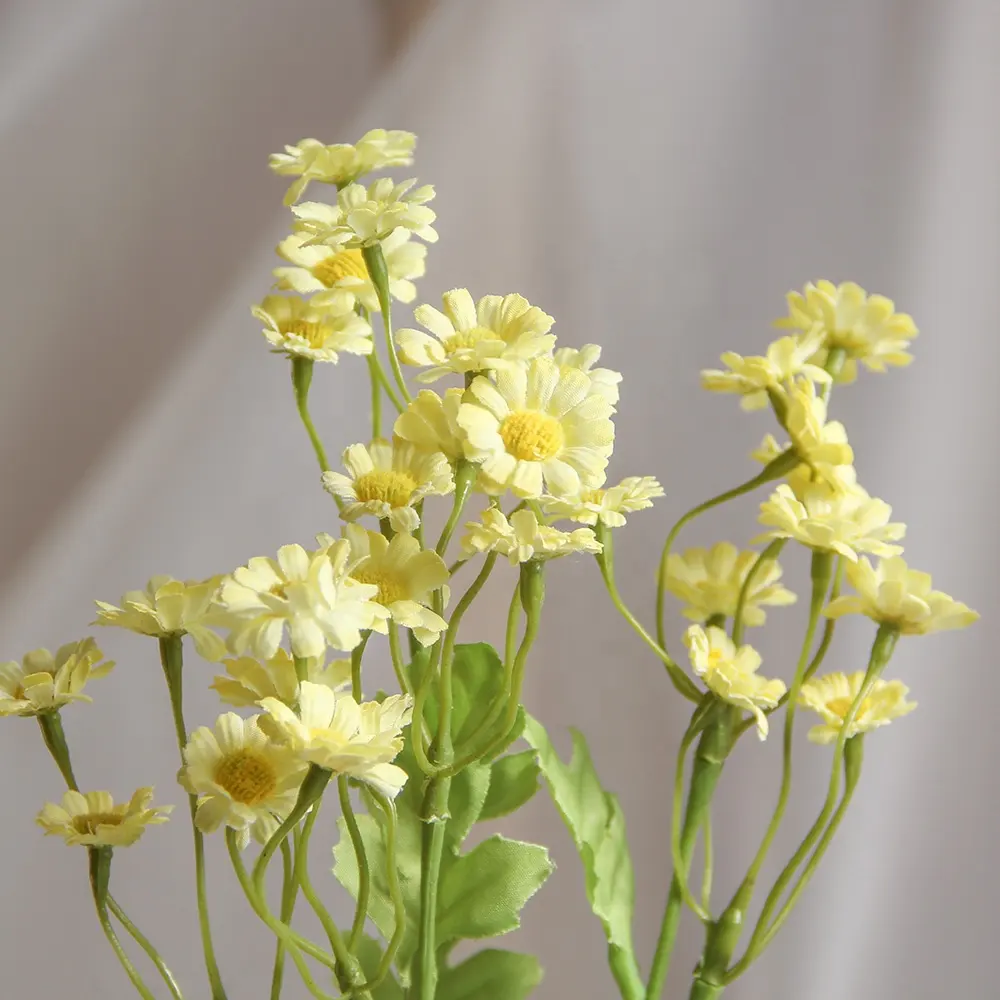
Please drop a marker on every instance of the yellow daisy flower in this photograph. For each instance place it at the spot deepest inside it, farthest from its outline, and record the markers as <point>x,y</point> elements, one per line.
<point>802,476</point>
<point>430,423</point>
<point>522,537</point>
<point>365,215</point>
<point>248,680</point>
<point>607,505</point>
<point>536,427</point>
<point>474,337</point>
<point>867,327</point>
<point>603,381</point>
<point>848,523</point>
<point>405,576</point>
<point>92,819</point>
<point>42,682</point>
<point>322,269</point>
<point>710,580</point>
<point>893,594</point>
<point>335,732</point>
<point>386,480</point>
<point>752,377</point>
<point>242,779</point>
<point>312,160</point>
<point>731,673</point>
<point>832,696</point>
<point>310,593</point>
<point>821,445</point>
<point>319,332</point>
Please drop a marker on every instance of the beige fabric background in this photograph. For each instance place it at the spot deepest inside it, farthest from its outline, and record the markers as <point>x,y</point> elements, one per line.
<point>655,175</point>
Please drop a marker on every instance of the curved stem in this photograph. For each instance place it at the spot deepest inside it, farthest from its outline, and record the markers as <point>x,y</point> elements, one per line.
<point>364,873</point>
<point>605,562</point>
<point>396,654</point>
<point>172,660</point>
<point>289,890</point>
<point>681,858</point>
<point>376,396</point>
<point>302,372</point>
<point>143,942</point>
<point>130,970</point>
<point>465,478</point>
<point>775,469</point>
<point>770,554</point>
<point>377,271</point>
<point>387,386</point>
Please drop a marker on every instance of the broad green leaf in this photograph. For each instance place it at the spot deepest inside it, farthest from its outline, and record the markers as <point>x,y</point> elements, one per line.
<point>597,826</point>
<point>513,781</point>
<point>469,789</point>
<point>481,893</point>
<point>491,974</point>
<point>370,955</point>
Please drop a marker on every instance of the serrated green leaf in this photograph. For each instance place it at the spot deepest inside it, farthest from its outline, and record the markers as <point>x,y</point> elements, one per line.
<point>596,823</point>
<point>481,893</point>
<point>492,974</point>
<point>469,789</point>
<point>513,781</point>
<point>370,955</point>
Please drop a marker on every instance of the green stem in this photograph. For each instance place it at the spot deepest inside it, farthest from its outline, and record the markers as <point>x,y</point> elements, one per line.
<point>387,386</point>
<point>775,469</point>
<point>172,659</point>
<point>605,562</point>
<point>770,554</point>
<point>396,654</point>
<point>302,373</point>
<point>435,819</point>
<point>465,478</point>
<point>713,719</point>
<point>706,878</point>
<point>100,873</point>
<point>364,873</point>
<point>147,946</point>
<point>376,400</point>
<point>289,891</point>
<point>50,723</point>
<point>377,271</point>
<point>834,365</point>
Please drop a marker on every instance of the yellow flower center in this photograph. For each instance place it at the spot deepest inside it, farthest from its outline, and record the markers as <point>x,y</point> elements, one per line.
<point>247,776</point>
<point>388,486</point>
<point>279,590</point>
<point>314,334</point>
<point>531,436</point>
<point>391,587</point>
<point>346,264</point>
<point>841,706</point>
<point>88,823</point>
<point>462,340</point>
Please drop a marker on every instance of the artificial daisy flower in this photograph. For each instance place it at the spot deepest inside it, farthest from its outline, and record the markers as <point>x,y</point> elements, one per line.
<point>473,337</point>
<point>430,423</point>
<point>248,680</point>
<point>92,819</point>
<point>309,592</point>
<point>321,269</point>
<point>386,480</point>
<point>536,427</point>
<point>603,381</point>
<point>42,682</point>
<point>319,332</point>
<point>335,732</point>
<point>752,377</point>
<point>891,593</point>
<point>523,537</point>
<point>821,445</point>
<point>832,696</point>
<point>364,216</point>
<point>169,607</point>
<point>607,505</point>
<point>405,575</point>
<point>312,160</point>
<point>731,673</point>
<point>710,580</point>
<point>866,327</point>
<point>242,779</point>
<point>799,479</point>
<point>848,523</point>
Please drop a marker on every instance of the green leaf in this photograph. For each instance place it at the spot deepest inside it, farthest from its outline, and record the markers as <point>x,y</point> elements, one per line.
<point>481,893</point>
<point>370,955</point>
<point>597,826</point>
<point>513,781</point>
<point>469,789</point>
<point>493,974</point>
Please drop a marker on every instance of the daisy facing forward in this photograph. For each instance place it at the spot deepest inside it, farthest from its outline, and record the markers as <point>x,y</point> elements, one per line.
<point>242,779</point>
<point>323,332</point>
<point>832,696</point>
<point>91,819</point>
<point>386,480</point>
<point>538,427</point>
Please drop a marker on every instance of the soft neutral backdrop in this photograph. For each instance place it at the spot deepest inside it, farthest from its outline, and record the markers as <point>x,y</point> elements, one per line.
<point>654,174</point>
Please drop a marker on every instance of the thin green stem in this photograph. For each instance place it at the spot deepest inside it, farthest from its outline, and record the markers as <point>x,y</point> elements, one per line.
<point>302,373</point>
<point>770,554</point>
<point>130,970</point>
<point>50,723</point>
<point>143,942</point>
<point>376,396</point>
<point>289,892</point>
<point>364,873</point>
<point>605,562</point>
<point>681,863</point>
<point>377,271</point>
<point>706,878</point>
<point>398,664</point>
<point>387,386</point>
<point>356,654</point>
<point>172,660</point>
<point>775,469</point>
<point>465,478</point>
